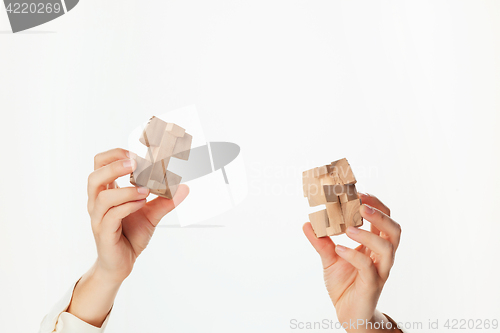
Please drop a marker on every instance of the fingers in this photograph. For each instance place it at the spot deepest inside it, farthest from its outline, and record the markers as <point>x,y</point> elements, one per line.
<point>110,156</point>
<point>361,262</point>
<point>156,209</point>
<point>115,197</point>
<point>383,223</point>
<point>100,178</point>
<point>373,201</point>
<point>112,221</point>
<point>382,247</point>
<point>323,245</point>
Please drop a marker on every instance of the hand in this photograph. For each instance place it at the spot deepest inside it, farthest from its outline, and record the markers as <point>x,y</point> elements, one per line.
<point>122,221</point>
<point>355,278</point>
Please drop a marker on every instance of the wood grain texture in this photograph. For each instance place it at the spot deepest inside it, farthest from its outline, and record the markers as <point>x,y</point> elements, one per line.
<point>335,219</point>
<point>350,211</point>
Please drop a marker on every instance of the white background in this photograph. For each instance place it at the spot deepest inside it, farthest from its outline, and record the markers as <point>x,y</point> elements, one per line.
<point>407,91</point>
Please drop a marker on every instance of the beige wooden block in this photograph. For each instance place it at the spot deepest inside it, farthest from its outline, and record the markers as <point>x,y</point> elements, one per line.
<point>343,171</point>
<point>175,130</point>
<point>142,173</point>
<point>350,211</point>
<point>343,198</point>
<point>313,190</point>
<point>164,150</point>
<point>319,222</point>
<point>182,147</point>
<point>156,187</point>
<point>153,132</point>
<point>172,180</point>
<point>352,193</point>
<point>320,171</point>
<point>159,170</point>
<point>335,219</point>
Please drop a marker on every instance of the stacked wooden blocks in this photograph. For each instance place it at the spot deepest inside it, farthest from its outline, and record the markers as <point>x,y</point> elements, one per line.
<point>164,141</point>
<point>333,186</point>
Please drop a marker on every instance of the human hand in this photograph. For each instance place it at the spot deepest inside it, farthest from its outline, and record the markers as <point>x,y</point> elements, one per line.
<point>355,278</point>
<point>122,221</point>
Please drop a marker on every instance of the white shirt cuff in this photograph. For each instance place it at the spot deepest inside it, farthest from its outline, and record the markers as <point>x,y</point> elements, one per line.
<point>60,321</point>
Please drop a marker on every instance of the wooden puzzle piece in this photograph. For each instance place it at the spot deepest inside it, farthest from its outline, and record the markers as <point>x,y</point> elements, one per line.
<point>350,211</point>
<point>333,186</point>
<point>336,224</point>
<point>164,141</point>
<point>183,147</point>
<point>319,221</point>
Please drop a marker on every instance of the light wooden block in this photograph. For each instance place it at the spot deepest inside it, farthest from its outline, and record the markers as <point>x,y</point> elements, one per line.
<point>153,132</point>
<point>319,222</point>
<point>312,189</point>
<point>183,147</point>
<point>342,170</point>
<point>141,174</point>
<point>335,219</point>
<point>350,211</point>
<point>175,130</point>
<point>172,180</point>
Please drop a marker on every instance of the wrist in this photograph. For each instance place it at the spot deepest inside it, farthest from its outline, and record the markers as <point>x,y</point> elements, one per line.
<point>105,277</point>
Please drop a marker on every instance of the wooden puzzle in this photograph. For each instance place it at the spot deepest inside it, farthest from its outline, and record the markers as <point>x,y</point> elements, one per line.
<point>332,185</point>
<point>164,141</point>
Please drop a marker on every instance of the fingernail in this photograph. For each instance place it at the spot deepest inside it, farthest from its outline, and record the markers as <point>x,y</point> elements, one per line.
<point>142,190</point>
<point>369,210</point>
<point>340,248</point>
<point>353,230</point>
<point>131,155</point>
<point>127,164</point>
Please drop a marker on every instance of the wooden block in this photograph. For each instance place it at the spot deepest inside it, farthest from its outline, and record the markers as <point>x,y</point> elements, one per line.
<point>332,192</point>
<point>141,174</point>
<point>183,147</point>
<point>351,192</point>
<point>350,211</point>
<point>175,130</point>
<point>159,170</point>
<point>172,181</point>
<point>156,187</point>
<point>335,219</point>
<point>343,198</point>
<point>320,171</point>
<point>164,150</point>
<point>153,132</point>
<point>319,222</point>
<point>342,170</point>
<point>313,191</point>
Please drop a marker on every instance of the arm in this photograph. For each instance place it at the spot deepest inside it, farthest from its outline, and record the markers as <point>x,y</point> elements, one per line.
<point>122,223</point>
<point>355,278</point>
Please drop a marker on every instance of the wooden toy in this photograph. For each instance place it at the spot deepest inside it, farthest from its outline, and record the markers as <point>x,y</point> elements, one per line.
<point>333,186</point>
<point>164,141</point>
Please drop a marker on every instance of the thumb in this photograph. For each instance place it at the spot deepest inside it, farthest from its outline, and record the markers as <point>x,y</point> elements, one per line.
<point>324,246</point>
